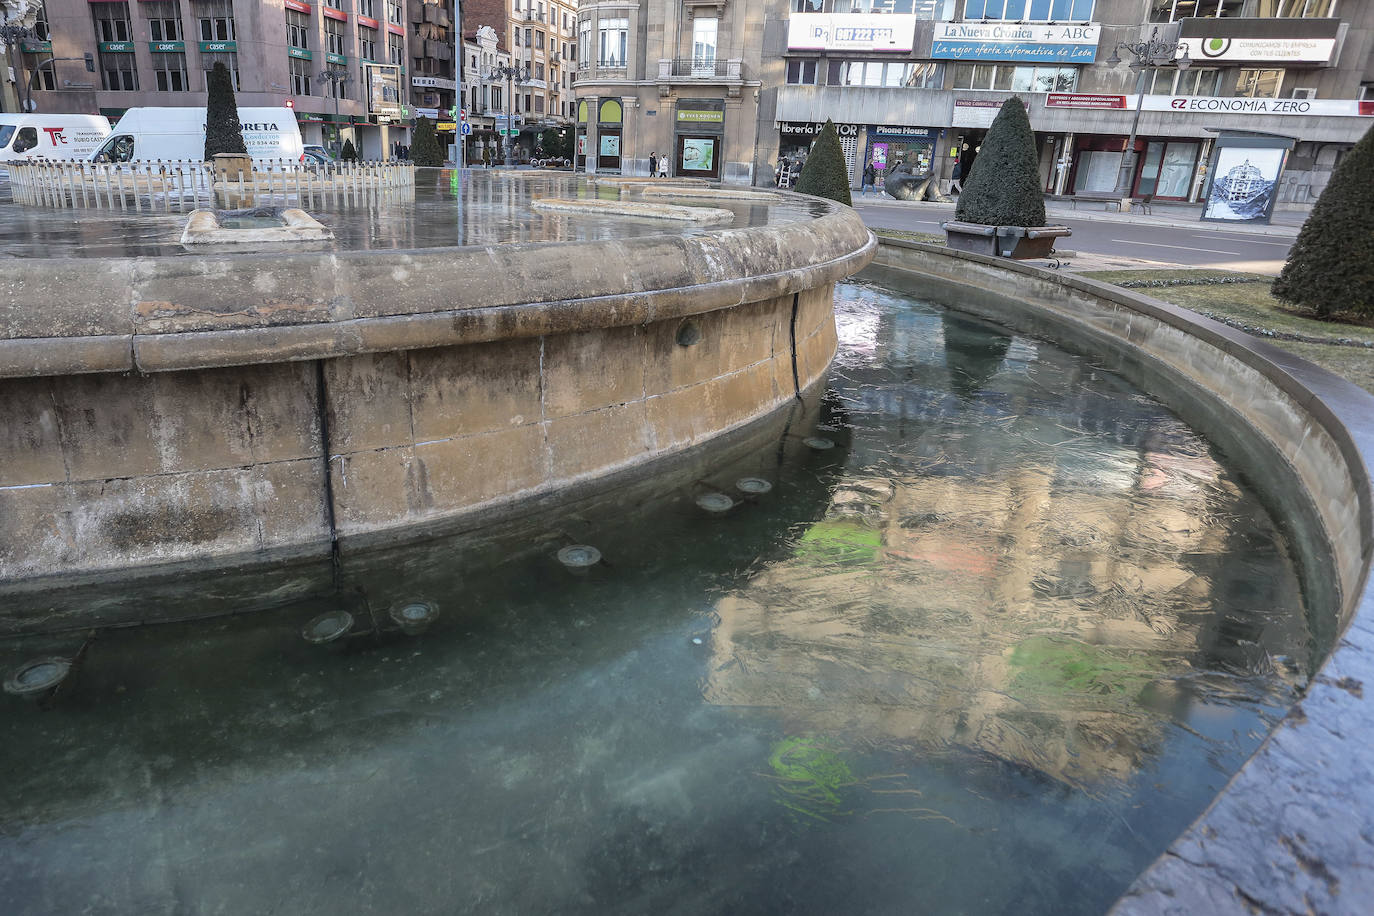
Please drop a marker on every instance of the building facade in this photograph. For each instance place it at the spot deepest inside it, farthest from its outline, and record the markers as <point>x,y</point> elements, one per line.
<point>342,68</point>
<point>537,38</point>
<point>678,79</point>
<point>912,81</point>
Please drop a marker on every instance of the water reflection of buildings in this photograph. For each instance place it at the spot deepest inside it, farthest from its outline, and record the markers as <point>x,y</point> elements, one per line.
<point>1009,567</point>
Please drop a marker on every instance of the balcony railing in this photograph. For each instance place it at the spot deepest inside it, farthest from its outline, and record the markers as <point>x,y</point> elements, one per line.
<point>701,68</point>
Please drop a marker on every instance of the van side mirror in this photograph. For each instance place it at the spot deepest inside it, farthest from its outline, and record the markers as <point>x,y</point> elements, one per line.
<point>90,62</point>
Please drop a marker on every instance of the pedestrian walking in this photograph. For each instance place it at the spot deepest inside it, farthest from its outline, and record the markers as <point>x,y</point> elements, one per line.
<point>870,176</point>
<point>954,180</point>
<point>662,166</point>
<point>653,164</point>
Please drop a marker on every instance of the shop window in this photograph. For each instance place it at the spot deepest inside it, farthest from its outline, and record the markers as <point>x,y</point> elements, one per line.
<point>1030,10</point>
<point>925,9</point>
<point>801,72</point>
<point>164,20</point>
<point>1258,84</point>
<point>888,74</point>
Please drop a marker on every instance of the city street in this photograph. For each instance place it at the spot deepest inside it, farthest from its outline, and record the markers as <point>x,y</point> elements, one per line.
<point>1166,240</point>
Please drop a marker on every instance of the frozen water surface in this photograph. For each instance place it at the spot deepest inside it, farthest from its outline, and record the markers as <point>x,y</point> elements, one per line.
<point>988,654</point>
<point>449,208</point>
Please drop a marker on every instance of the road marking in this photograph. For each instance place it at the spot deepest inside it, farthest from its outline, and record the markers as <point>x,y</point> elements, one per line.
<point>1248,241</point>
<point>1177,247</point>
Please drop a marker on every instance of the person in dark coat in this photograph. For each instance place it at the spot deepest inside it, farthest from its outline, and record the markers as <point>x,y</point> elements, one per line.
<point>870,176</point>
<point>653,164</point>
<point>967,154</point>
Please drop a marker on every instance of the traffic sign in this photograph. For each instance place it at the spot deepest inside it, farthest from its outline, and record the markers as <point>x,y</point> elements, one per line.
<point>463,115</point>
<point>467,128</point>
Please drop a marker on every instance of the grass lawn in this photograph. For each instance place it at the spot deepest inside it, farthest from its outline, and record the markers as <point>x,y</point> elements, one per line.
<point>1247,305</point>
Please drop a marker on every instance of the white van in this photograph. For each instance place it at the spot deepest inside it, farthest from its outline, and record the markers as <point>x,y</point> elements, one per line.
<point>179,133</point>
<point>50,136</point>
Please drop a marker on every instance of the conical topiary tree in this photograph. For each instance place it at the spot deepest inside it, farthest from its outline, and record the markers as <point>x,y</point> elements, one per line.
<point>349,153</point>
<point>424,148</point>
<point>825,173</point>
<point>223,132</point>
<point>1331,266</point>
<point>1004,190</point>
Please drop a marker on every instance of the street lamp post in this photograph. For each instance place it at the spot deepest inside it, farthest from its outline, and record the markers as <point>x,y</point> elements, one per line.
<point>511,75</point>
<point>339,78</point>
<point>1147,54</point>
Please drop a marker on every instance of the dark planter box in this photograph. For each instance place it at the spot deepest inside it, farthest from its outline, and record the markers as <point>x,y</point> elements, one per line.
<point>1004,241</point>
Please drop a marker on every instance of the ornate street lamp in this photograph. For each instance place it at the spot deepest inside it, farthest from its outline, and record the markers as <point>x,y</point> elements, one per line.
<point>11,35</point>
<point>1148,54</point>
<point>340,78</point>
<point>511,75</point>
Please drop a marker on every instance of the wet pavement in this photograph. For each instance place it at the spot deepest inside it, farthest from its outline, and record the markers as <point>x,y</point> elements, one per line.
<point>988,652</point>
<point>449,208</point>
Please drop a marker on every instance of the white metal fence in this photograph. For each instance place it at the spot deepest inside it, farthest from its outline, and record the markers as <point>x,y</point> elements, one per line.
<point>174,186</point>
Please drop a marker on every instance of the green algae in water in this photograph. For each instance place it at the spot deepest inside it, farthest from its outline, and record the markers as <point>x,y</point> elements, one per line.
<point>844,542</point>
<point>1059,666</point>
<point>811,776</point>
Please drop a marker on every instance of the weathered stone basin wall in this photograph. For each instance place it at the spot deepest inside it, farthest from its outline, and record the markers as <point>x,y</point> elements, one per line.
<point>247,408</point>
<point>1294,830</point>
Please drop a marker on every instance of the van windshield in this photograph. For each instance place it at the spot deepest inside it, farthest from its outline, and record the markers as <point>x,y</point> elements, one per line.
<point>6,131</point>
<point>118,148</point>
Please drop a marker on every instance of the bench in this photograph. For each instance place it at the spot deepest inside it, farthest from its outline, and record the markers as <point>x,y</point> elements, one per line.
<point>1112,199</point>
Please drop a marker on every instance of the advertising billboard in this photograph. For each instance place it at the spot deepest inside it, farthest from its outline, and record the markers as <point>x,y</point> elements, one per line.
<point>383,89</point>
<point>1010,41</point>
<point>851,32</point>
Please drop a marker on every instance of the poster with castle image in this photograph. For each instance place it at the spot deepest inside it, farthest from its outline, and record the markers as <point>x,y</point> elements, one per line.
<point>1246,179</point>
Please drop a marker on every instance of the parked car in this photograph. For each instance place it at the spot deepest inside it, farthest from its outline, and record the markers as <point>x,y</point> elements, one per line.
<point>317,155</point>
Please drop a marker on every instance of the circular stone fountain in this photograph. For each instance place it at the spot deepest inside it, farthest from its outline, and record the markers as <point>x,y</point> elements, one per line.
<point>271,406</point>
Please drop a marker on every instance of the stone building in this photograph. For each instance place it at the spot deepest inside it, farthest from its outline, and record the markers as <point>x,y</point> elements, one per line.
<point>913,80</point>
<point>681,79</point>
<point>538,37</point>
<point>106,57</point>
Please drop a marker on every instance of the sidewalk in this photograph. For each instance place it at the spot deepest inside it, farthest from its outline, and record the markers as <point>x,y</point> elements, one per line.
<point>1286,223</point>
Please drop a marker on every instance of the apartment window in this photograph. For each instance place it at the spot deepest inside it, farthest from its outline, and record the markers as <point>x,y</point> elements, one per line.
<point>538,71</point>
<point>111,22</point>
<point>215,20</point>
<point>208,59</point>
<point>170,72</point>
<point>40,25</point>
<point>538,41</point>
<point>613,36</point>
<point>367,43</point>
<point>118,72</point>
<point>164,20</point>
<point>297,30</point>
<point>801,72</point>
<point>1169,81</point>
<point>300,75</point>
<point>584,40</point>
<point>538,104</point>
<point>334,39</point>
<point>1259,84</point>
<point>393,11</point>
<point>1173,10</point>
<point>704,30</point>
<point>367,8</point>
<point>1030,10</point>
<point>396,49</point>
<point>337,88</point>
<point>1014,79</point>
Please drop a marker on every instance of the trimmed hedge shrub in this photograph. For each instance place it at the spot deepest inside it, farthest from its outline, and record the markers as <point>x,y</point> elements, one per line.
<point>349,153</point>
<point>223,132</point>
<point>1331,266</point>
<point>825,173</point>
<point>424,148</point>
<point>1004,189</point>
